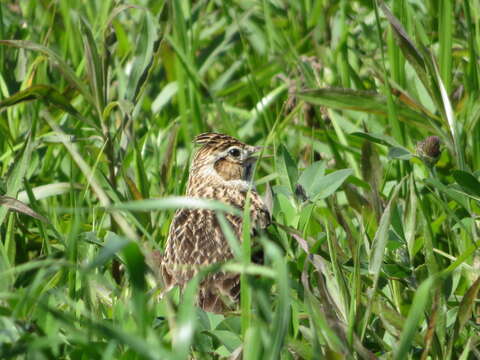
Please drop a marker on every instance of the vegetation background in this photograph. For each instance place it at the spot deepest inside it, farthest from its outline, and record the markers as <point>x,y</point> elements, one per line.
<point>373,253</point>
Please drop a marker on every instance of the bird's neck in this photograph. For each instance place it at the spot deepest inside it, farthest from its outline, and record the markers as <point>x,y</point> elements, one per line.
<point>211,185</point>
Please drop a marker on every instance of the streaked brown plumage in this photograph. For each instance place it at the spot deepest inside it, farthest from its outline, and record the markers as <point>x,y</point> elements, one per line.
<point>221,170</point>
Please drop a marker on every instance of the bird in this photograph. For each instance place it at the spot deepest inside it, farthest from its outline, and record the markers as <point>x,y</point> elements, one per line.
<point>222,170</point>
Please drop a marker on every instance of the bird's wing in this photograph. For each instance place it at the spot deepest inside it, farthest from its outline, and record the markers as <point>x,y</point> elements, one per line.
<point>195,240</point>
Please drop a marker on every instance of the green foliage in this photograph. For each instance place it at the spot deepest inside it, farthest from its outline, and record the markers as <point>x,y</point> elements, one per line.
<point>373,252</point>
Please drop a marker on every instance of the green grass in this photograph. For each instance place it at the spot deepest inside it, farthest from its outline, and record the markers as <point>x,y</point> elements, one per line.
<point>374,249</point>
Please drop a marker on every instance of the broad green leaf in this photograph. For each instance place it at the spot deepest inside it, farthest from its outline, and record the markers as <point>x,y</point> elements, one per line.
<point>467,181</point>
<point>326,185</point>
<point>229,339</point>
<point>311,174</point>
<point>399,153</point>
<point>285,207</point>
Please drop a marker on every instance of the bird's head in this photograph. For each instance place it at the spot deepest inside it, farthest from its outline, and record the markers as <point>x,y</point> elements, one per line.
<point>223,158</point>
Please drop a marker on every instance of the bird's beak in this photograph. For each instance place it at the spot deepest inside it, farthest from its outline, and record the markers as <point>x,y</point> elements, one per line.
<point>249,163</point>
<point>256,152</point>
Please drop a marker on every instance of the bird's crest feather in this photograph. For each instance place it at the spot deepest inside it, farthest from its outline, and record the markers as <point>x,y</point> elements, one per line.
<point>211,138</point>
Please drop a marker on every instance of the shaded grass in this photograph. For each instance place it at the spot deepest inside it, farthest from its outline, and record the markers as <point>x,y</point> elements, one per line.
<point>373,250</point>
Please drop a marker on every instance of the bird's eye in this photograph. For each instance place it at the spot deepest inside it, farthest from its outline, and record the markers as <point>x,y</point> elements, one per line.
<point>234,152</point>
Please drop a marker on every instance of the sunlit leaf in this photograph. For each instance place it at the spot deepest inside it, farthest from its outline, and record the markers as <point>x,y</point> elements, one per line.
<point>46,93</point>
